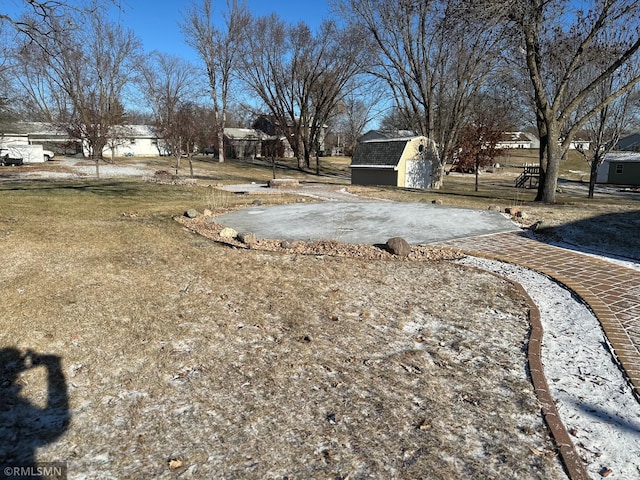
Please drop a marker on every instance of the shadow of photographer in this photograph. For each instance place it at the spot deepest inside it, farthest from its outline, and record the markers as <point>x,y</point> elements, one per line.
<point>28,422</point>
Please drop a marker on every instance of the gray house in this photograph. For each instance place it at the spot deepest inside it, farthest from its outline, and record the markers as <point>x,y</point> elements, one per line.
<point>630,143</point>
<point>620,168</point>
<point>402,162</point>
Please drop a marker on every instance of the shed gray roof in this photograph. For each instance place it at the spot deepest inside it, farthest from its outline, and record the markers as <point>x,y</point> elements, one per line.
<point>382,153</point>
<point>631,157</point>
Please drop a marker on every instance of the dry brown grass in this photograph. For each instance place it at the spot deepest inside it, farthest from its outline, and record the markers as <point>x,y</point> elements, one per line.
<point>245,364</point>
<point>184,356</point>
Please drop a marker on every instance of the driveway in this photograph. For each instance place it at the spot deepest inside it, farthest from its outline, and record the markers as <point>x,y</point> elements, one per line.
<point>367,222</point>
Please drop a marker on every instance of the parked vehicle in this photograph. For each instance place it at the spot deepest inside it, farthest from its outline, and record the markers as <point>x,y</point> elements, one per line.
<point>28,153</point>
<point>6,160</point>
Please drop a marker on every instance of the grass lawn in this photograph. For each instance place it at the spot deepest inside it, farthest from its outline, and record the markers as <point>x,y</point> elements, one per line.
<point>178,355</point>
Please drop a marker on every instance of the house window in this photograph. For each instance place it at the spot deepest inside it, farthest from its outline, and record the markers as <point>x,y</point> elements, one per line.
<point>619,168</point>
<point>132,141</point>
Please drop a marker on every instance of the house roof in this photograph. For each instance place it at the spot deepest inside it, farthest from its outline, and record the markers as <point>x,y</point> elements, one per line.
<point>386,135</point>
<point>31,128</point>
<point>245,134</point>
<point>630,142</point>
<point>516,137</point>
<point>633,157</point>
<point>379,153</point>
<point>52,130</point>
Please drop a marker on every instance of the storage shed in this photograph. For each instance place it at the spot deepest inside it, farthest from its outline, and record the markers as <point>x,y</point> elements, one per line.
<point>620,168</point>
<point>402,162</point>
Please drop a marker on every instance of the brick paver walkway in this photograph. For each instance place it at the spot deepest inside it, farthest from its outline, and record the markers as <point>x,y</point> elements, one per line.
<point>611,291</point>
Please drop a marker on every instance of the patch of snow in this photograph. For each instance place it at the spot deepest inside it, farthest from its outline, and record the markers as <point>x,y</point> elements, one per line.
<point>594,400</point>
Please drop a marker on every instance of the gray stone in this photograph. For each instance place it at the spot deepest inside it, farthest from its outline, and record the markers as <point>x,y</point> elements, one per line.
<point>513,211</point>
<point>247,238</point>
<point>257,202</point>
<point>436,202</point>
<point>191,213</point>
<point>228,232</point>
<point>288,244</point>
<point>398,246</point>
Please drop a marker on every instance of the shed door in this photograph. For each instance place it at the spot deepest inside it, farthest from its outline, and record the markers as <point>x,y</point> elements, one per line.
<point>418,174</point>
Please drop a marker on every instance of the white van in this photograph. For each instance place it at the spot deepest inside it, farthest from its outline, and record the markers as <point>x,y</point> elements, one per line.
<point>28,154</point>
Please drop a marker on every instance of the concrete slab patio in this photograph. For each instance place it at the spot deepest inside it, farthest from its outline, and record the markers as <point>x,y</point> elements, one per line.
<point>367,222</point>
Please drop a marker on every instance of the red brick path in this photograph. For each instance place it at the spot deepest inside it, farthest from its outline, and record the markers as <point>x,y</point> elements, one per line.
<point>611,291</point>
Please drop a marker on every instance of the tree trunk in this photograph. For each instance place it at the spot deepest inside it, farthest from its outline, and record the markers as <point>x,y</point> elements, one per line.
<point>221,145</point>
<point>543,154</point>
<point>437,175</point>
<point>301,153</point>
<point>177,163</point>
<point>593,173</point>
<point>550,184</point>
<point>190,166</point>
<point>592,184</point>
<point>555,152</point>
<point>477,168</point>
<point>97,160</point>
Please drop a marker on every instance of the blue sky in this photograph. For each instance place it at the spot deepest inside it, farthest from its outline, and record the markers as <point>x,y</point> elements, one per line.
<point>156,22</point>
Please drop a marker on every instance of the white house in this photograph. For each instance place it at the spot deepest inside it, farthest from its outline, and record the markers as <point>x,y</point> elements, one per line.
<point>133,141</point>
<point>127,140</point>
<point>579,142</point>
<point>510,140</point>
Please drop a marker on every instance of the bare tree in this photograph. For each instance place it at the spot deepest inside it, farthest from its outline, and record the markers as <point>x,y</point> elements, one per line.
<point>605,128</point>
<point>434,57</point>
<point>189,127</point>
<point>301,77</point>
<point>478,141</point>
<point>40,19</point>
<point>219,50</point>
<point>169,82</point>
<point>560,38</point>
<point>356,111</point>
<point>92,65</point>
